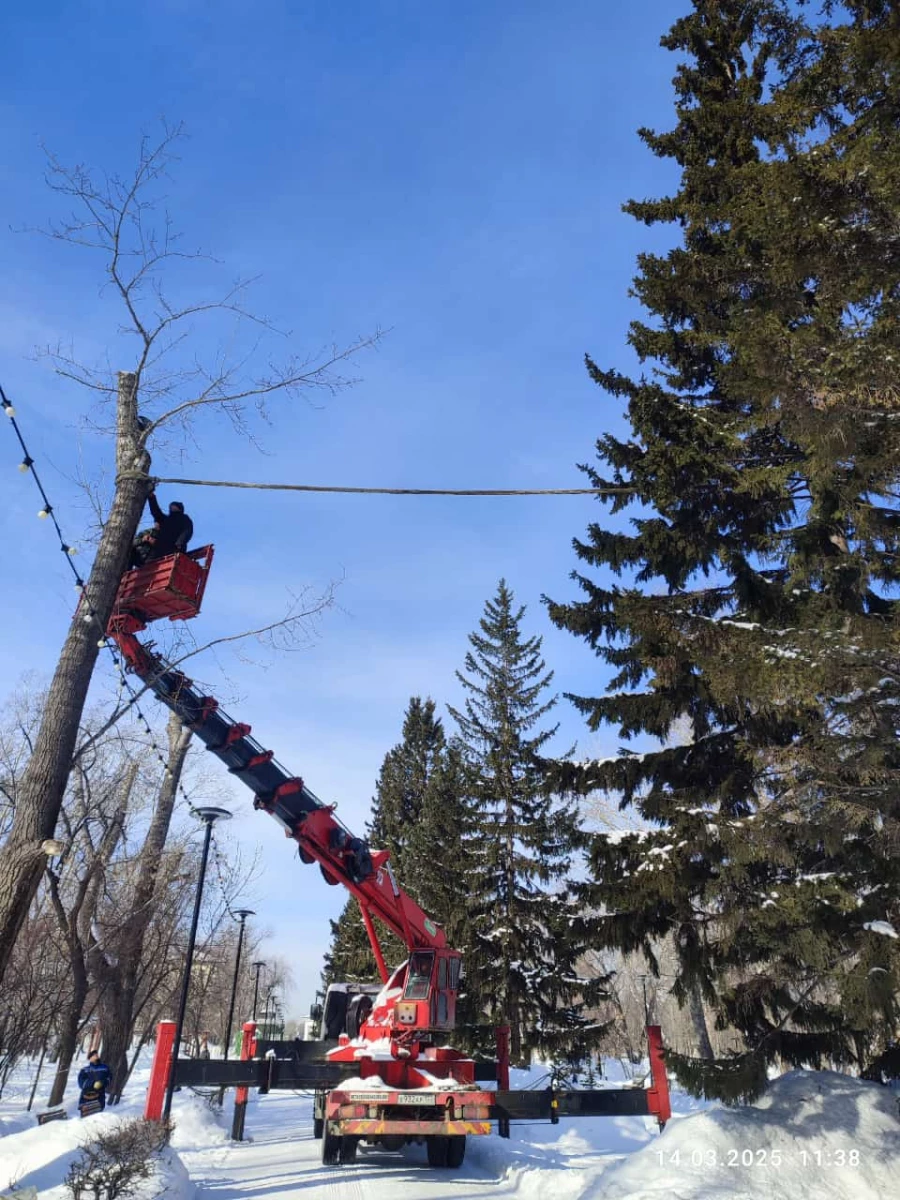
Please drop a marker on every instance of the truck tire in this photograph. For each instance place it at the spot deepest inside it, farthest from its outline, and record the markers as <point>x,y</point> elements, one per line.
<point>331,1148</point>
<point>456,1150</point>
<point>437,1151</point>
<point>318,1126</point>
<point>348,1149</point>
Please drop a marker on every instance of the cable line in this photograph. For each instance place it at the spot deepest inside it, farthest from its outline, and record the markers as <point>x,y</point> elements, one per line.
<point>388,491</point>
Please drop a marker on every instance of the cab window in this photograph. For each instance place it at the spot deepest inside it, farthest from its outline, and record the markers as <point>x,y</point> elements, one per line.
<point>418,978</point>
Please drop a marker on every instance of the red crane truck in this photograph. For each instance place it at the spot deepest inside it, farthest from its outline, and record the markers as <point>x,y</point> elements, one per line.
<point>399,1082</point>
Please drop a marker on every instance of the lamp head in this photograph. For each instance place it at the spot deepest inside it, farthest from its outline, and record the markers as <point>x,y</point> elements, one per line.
<point>210,813</point>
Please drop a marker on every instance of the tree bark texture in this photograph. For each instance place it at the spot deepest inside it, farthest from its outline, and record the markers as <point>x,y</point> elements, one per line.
<point>75,926</point>
<point>68,1037</point>
<point>40,792</point>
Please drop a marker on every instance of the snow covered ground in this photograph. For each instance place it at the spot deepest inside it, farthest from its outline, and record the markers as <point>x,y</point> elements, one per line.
<point>814,1136</point>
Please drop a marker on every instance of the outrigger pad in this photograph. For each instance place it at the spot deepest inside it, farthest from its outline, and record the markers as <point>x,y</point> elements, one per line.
<point>53,1114</point>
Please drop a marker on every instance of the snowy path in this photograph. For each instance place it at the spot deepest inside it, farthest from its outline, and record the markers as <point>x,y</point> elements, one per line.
<point>283,1163</point>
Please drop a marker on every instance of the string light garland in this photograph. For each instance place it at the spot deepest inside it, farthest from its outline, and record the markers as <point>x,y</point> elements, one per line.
<point>219,876</point>
<point>89,615</point>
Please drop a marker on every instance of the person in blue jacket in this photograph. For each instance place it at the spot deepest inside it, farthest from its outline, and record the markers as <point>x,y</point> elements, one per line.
<point>93,1080</point>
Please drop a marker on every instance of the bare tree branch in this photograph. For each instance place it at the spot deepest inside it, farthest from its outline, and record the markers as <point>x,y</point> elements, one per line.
<point>287,625</point>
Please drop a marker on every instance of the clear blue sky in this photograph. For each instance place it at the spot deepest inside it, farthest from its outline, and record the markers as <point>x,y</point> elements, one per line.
<point>450,172</point>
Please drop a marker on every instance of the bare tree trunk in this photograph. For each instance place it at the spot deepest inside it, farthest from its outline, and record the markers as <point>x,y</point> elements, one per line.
<point>68,1038</point>
<point>698,1020</point>
<point>120,979</point>
<point>76,929</point>
<point>40,793</point>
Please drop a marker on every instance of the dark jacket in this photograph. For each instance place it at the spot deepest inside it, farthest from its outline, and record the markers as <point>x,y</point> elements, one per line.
<point>97,1072</point>
<point>175,529</point>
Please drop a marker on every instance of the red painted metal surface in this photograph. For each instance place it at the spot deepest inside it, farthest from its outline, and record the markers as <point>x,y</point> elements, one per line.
<point>381,1127</point>
<point>659,1102</point>
<point>383,972</point>
<point>409,1111</point>
<point>170,587</point>
<point>241,1094</point>
<point>248,1049</point>
<point>412,1065</point>
<point>502,1035</point>
<point>163,1063</point>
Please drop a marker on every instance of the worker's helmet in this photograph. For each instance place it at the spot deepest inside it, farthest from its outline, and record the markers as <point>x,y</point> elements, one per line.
<point>177,505</point>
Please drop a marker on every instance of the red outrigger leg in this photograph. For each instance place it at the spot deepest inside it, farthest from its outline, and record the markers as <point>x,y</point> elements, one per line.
<point>163,1064</point>
<point>659,1103</point>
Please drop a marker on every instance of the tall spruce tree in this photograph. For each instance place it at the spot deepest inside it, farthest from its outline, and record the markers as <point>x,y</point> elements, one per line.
<point>759,574</point>
<point>415,815</point>
<point>521,954</point>
<point>437,854</point>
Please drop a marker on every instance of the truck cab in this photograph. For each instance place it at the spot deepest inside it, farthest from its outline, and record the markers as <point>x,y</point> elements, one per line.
<point>429,980</point>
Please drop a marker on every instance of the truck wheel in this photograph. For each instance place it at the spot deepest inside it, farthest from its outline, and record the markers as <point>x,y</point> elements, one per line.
<point>437,1151</point>
<point>456,1150</point>
<point>331,1149</point>
<point>318,1126</point>
<point>348,1149</point>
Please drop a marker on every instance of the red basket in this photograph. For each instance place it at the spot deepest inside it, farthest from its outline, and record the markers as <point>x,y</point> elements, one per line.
<point>170,587</point>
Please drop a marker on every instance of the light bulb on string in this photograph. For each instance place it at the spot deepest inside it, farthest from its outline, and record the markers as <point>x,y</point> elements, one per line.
<point>26,464</point>
<point>45,513</point>
<point>8,408</point>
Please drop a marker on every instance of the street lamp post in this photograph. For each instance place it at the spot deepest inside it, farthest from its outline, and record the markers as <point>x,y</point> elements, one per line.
<point>208,815</point>
<point>242,914</point>
<point>259,966</point>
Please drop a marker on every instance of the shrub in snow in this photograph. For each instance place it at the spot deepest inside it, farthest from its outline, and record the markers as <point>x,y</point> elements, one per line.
<point>113,1163</point>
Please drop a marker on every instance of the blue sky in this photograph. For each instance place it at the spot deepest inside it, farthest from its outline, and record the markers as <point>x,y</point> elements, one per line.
<point>450,173</point>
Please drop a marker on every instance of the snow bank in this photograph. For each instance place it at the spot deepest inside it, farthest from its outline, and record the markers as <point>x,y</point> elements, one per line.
<point>196,1124</point>
<point>39,1157</point>
<point>815,1134</point>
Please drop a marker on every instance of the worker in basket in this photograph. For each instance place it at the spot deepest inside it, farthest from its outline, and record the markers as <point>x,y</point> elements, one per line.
<point>171,532</point>
<point>142,549</point>
<point>93,1080</point>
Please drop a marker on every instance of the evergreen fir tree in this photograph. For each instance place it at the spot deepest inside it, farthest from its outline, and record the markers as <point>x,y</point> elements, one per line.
<point>349,959</point>
<point>757,601</point>
<point>437,854</point>
<point>406,775</point>
<point>415,816</point>
<point>520,963</point>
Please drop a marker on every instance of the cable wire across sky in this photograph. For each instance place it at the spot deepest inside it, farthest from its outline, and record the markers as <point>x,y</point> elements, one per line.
<point>392,491</point>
